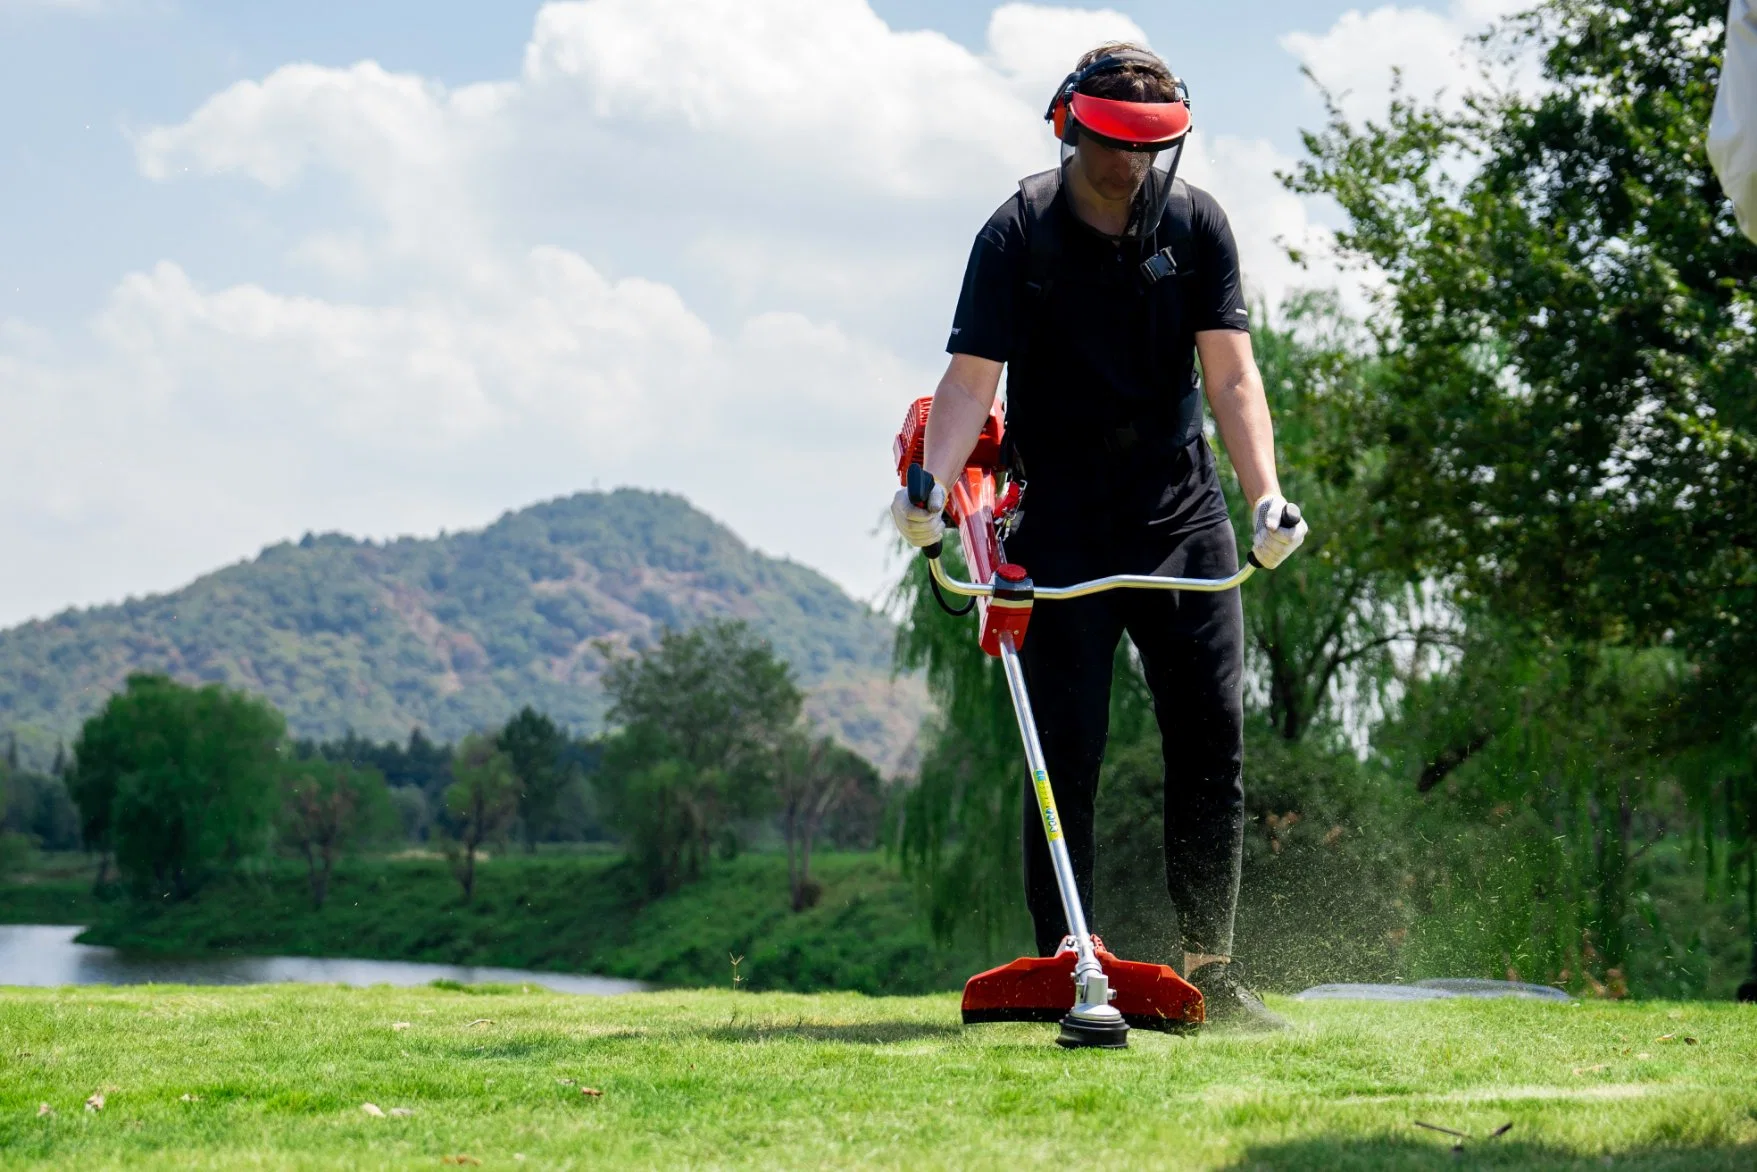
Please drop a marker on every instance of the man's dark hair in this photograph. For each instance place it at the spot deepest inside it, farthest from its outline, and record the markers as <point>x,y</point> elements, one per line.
<point>1133,82</point>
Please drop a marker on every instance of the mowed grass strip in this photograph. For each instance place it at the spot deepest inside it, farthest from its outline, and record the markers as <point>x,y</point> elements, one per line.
<point>278,1077</point>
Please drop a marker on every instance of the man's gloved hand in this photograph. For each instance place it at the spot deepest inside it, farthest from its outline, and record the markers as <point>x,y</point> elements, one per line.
<point>920,527</point>
<point>1271,545</point>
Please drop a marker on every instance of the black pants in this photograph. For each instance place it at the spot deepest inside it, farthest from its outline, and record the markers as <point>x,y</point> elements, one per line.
<point>1191,647</point>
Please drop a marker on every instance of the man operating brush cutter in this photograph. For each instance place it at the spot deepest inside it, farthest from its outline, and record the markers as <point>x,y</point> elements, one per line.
<point>1098,284</point>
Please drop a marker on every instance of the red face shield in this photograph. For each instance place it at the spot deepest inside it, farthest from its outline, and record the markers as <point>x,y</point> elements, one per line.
<point>1130,126</point>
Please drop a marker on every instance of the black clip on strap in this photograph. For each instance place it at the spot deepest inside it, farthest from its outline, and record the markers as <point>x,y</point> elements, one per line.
<point>1159,266</point>
<point>920,492</point>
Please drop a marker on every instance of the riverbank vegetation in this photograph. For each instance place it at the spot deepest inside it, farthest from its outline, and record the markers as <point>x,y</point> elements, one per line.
<point>282,1076</point>
<point>560,912</point>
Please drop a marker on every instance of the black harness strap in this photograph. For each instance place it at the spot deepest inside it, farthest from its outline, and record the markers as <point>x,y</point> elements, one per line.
<point>1178,258</point>
<point>1043,231</point>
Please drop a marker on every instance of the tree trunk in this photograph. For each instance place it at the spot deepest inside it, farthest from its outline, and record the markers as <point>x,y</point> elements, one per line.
<point>328,855</point>
<point>472,835</point>
<point>1616,932</point>
<point>1612,828</point>
<point>790,835</point>
<point>805,895</point>
<point>311,877</point>
<point>805,892</point>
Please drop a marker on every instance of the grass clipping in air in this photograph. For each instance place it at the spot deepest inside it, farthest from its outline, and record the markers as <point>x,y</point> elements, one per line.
<point>283,1075</point>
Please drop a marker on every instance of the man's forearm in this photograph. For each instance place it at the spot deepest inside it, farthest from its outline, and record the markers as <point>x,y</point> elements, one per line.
<point>961,405</point>
<point>1241,412</point>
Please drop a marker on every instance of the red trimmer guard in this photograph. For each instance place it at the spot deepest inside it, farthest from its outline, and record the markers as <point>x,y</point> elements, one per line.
<point>1041,988</point>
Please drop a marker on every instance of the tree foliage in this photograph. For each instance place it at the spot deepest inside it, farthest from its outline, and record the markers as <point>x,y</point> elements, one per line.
<point>1327,627</point>
<point>539,754</point>
<point>1547,777</point>
<point>1570,353</point>
<point>326,806</point>
<point>481,802</point>
<point>419,762</point>
<point>14,846</point>
<point>1568,337</point>
<point>37,809</point>
<point>177,780</point>
<point>814,778</point>
<point>959,832</point>
<point>702,718</point>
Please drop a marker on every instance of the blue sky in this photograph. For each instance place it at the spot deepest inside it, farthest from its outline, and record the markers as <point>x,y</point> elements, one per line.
<point>387,268</point>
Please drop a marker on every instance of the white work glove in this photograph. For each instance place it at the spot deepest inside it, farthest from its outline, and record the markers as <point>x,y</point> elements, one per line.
<point>1270,546</point>
<point>920,527</point>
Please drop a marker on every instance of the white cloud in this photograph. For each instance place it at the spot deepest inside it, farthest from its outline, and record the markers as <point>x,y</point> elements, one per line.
<point>1355,57</point>
<point>243,409</point>
<point>1035,47</point>
<point>725,272</point>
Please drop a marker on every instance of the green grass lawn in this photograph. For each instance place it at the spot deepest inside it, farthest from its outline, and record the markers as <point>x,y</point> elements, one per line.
<point>278,1076</point>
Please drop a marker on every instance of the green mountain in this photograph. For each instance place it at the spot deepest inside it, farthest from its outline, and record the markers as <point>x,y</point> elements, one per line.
<point>453,634</point>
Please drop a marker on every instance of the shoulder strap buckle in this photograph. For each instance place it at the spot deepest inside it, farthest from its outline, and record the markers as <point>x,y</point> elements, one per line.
<point>1160,265</point>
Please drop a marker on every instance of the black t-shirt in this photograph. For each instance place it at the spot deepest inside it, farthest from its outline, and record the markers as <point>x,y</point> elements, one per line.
<point>1101,383</point>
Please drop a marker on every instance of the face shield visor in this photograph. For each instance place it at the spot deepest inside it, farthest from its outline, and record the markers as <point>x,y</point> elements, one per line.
<point>1145,141</point>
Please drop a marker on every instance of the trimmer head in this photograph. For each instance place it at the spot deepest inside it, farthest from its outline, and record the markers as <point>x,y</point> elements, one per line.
<point>1041,988</point>
<point>1080,1034</point>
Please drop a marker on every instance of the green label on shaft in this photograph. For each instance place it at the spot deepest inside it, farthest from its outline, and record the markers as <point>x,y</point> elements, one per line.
<point>1052,822</point>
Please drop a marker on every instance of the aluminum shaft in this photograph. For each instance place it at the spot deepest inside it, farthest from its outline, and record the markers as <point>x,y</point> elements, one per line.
<point>1087,964</point>
<point>1092,1016</point>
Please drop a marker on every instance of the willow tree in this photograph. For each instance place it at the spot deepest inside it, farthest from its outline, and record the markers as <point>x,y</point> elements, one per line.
<point>1568,332</point>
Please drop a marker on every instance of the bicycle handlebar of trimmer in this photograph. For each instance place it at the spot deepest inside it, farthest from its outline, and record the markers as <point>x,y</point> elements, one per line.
<point>921,489</point>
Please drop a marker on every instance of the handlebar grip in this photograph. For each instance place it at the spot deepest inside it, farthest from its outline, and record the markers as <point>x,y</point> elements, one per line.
<point>920,492</point>
<point>920,486</point>
<point>1290,516</point>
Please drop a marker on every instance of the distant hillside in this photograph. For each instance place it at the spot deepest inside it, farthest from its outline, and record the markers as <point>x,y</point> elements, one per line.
<point>453,634</point>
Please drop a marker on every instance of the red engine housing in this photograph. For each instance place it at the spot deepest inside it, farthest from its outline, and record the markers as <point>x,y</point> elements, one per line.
<point>971,504</point>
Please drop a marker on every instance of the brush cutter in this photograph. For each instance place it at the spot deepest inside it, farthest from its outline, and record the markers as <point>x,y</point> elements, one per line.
<point>1095,996</point>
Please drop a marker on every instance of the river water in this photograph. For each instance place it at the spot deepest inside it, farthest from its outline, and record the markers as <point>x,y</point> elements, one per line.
<point>45,955</point>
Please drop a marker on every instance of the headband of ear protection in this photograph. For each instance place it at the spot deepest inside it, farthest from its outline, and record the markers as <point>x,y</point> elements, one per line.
<point>1133,126</point>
